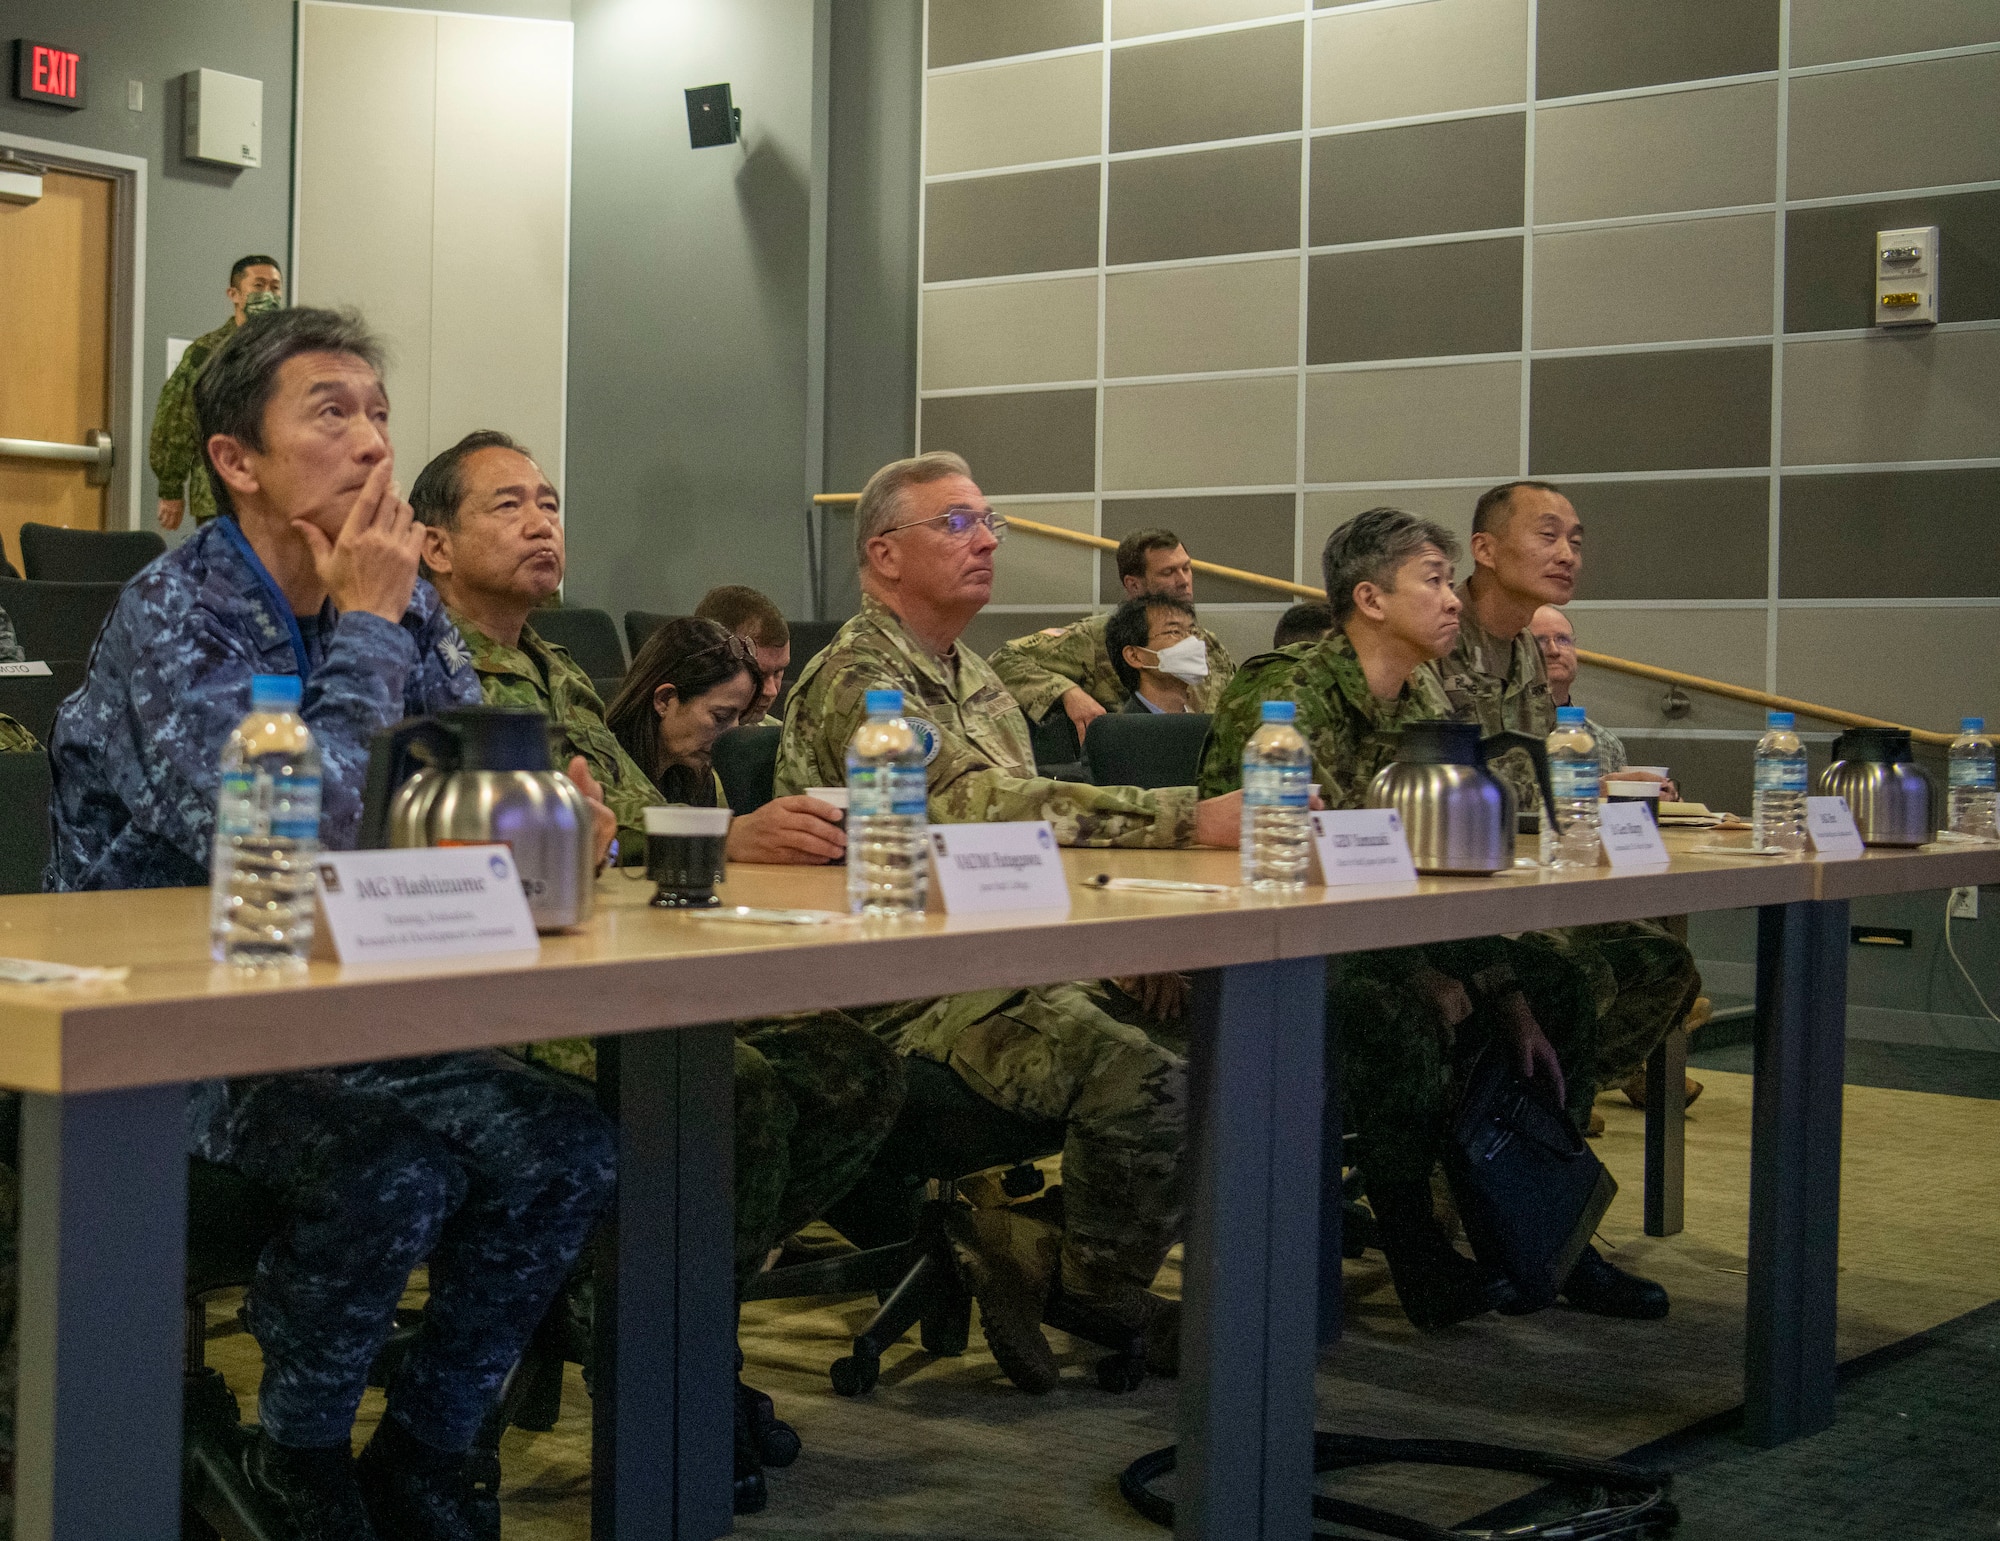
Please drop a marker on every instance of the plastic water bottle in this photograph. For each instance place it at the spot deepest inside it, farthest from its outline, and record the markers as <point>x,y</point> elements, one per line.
<point>262,876</point>
<point>887,799</point>
<point>1778,801</point>
<point>1971,779</point>
<point>1277,781</point>
<point>1574,776</point>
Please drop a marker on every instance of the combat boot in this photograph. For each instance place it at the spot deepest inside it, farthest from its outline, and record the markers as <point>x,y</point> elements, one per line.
<point>1009,1263</point>
<point>1436,1284</point>
<point>415,1492</point>
<point>1119,1313</point>
<point>313,1490</point>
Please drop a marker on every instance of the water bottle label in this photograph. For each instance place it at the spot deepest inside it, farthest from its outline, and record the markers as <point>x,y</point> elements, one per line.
<point>236,812</point>
<point>909,793</point>
<point>875,791</point>
<point>1972,775</point>
<point>1781,776</point>
<point>295,807</point>
<point>1574,778</point>
<point>1277,786</point>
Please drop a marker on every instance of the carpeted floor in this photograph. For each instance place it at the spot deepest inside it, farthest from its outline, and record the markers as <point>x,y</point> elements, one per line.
<point>1903,1067</point>
<point>945,1448</point>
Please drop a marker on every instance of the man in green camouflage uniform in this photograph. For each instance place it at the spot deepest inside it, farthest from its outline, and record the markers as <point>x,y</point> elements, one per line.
<point>1413,1019</point>
<point>815,1094</point>
<point>255,286</point>
<point>925,540</point>
<point>1070,666</point>
<point>1527,547</point>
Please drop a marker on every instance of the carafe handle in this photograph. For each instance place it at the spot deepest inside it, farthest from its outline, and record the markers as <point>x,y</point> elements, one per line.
<point>394,756</point>
<point>1538,751</point>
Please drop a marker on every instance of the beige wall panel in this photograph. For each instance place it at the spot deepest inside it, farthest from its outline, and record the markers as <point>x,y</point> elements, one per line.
<point>1654,283</point>
<point>1923,667</point>
<point>1206,433</point>
<point>1414,424</point>
<point>1141,18</point>
<point>1245,630</point>
<point>1034,570</point>
<point>1895,397</point>
<point>1904,125</point>
<point>1407,60</point>
<point>1828,31</point>
<point>1716,644</point>
<point>1014,114</point>
<point>1327,511</point>
<point>1711,148</point>
<point>1010,334</point>
<point>366,114</point>
<point>1224,315</point>
<point>499,287</point>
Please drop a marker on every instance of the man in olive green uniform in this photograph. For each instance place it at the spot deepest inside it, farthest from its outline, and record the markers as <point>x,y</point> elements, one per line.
<point>1527,550</point>
<point>255,286</point>
<point>815,1095</point>
<point>925,540</point>
<point>1070,666</point>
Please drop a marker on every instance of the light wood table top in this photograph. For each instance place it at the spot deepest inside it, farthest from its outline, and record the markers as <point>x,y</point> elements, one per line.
<point>178,1017</point>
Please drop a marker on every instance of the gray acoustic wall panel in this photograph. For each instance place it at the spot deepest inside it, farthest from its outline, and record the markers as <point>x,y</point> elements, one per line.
<point>1227,85</point>
<point>1206,204</point>
<point>1427,179</point>
<point>1587,46</point>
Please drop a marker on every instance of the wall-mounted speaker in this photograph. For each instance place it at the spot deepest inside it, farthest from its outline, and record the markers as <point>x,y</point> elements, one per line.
<point>712,120</point>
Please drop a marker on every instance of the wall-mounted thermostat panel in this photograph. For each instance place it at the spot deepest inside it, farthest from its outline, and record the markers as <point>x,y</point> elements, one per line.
<point>1906,276</point>
<point>224,117</point>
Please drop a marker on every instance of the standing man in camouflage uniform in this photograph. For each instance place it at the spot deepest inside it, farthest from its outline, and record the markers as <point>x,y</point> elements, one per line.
<point>1527,551</point>
<point>255,286</point>
<point>1413,1019</point>
<point>925,540</point>
<point>492,1170</point>
<point>1071,665</point>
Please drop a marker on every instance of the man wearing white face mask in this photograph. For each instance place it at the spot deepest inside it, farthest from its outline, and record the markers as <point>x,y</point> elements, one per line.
<point>1158,653</point>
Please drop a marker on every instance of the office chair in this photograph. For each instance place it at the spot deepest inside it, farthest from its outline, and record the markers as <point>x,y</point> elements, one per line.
<point>32,699</point>
<point>54,553</point>
<point>641,624</point>
<point>590,636</point>
<point>747,761</point>
<point>24,823</point>
<point>57,620</point>
<point>1123,749</point>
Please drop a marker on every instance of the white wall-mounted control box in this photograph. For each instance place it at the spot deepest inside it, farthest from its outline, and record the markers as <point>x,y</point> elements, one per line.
<point>1906,276</point>
<point>223,117</point>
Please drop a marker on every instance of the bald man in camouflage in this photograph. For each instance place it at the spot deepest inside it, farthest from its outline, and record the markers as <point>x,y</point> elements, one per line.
<point>925,540</point>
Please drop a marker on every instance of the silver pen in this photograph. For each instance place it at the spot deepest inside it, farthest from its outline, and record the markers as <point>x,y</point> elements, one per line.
<point>1158,885</point>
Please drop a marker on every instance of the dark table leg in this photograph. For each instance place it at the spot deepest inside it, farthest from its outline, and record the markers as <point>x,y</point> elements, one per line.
<point>103,1255</point>
<point>1788,1372</point>
<point>662,1402</point>
<point>1666,1135</point>
<point>1249,1341</point>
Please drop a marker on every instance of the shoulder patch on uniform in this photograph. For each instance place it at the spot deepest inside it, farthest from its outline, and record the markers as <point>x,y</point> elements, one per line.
<point>456,655</point>
<point>1053,631</point>
<point>927,731</point>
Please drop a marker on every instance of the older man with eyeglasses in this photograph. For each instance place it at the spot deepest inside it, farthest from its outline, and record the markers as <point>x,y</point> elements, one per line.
<point>925,541</point>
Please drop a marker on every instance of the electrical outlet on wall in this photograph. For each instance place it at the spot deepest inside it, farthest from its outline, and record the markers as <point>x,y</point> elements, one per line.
<point>1964,904</point>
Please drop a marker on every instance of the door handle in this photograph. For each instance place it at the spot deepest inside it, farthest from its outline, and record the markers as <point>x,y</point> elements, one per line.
<point>98,455</point>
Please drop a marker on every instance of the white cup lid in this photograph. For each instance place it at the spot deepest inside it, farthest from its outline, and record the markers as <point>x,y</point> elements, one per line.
<point>680,820</point>
<point>1632,789</point>
<point>834,795</point>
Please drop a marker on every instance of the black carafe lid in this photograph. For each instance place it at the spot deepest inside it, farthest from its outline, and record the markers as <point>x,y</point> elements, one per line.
<point>501,738</point>
<point>1435,742</point>
<point>1874,746</point>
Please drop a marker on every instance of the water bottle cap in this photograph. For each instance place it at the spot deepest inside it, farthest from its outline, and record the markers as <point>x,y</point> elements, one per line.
<point>1778,720</point>
<point>1972,725</point>
<point>1570,716</point>
<point>885,703</point>
<point>1281,711</point>
<point>275,692</point>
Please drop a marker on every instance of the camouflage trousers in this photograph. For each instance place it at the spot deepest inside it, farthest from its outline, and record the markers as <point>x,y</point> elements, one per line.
<point>488,1168</point>
<point>1642,983</point>
<point>1403,1062</point>
<point>1052,1054</point>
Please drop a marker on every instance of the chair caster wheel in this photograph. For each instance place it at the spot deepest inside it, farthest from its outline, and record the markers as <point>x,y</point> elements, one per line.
<point>854,1376</point>
<point>752,1493</point>
<point>779,1445</point>
<point>1120,1373</point>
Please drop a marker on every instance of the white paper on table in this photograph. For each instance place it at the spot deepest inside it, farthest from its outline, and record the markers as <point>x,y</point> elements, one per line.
<point>1830,827</point>
<point>986,868</point>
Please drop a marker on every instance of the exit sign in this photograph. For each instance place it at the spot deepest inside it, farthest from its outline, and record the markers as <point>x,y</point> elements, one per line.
<point>45,72</point>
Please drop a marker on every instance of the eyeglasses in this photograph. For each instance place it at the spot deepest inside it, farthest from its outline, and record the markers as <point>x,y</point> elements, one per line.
<point>959,520</point>
<point>1556,644</point>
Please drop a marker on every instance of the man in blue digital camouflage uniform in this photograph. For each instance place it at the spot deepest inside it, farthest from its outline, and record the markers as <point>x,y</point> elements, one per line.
<point>485,1167</point>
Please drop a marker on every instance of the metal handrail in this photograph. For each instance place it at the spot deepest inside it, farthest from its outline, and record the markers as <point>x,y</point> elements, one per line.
<point>99,454</point>
<point>1645,671</point>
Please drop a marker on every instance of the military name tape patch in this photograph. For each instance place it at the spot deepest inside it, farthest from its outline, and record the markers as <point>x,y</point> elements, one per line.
<point>927,731</point>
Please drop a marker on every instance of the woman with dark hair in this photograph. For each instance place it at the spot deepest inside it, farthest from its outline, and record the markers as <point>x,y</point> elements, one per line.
<point>689,685</point>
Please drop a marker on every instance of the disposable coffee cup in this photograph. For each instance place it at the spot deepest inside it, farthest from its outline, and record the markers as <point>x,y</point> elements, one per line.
<point>685,855</point>
<point>1633,792</point>
<point>834,795</point>
<point>1664,772</point>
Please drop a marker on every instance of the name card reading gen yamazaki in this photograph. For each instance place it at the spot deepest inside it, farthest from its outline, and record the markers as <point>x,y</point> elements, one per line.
<point>1630,835</point>
<point>1362,845</point>
<point>433,902</point>
<point>983,868</point>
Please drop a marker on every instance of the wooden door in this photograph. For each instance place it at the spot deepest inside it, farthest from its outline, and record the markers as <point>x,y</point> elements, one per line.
<point>55,349</point>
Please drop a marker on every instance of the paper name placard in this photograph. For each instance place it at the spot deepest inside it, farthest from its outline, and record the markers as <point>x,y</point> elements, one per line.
<point>985,868</point>
<point>1362,845</point>
<point>13,671</point>
<point>432,902</point>
<point>1830,826</point>
<point>1630,836</point>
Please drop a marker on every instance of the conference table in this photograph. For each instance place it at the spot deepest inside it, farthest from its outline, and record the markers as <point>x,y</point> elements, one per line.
<point>105,1068</point>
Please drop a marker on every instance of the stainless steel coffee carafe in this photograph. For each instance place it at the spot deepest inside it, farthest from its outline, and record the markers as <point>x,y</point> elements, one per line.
<point>481,775</point>
<point>1891,796</point>
<point>1459,816</point>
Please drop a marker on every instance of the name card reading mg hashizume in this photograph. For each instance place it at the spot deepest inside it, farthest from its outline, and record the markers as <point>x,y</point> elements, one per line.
<point>983,868</point>
<point>1830,825</point>
<point>1630,835</point>
<point>1362,845</point>
<point>432,902</point>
